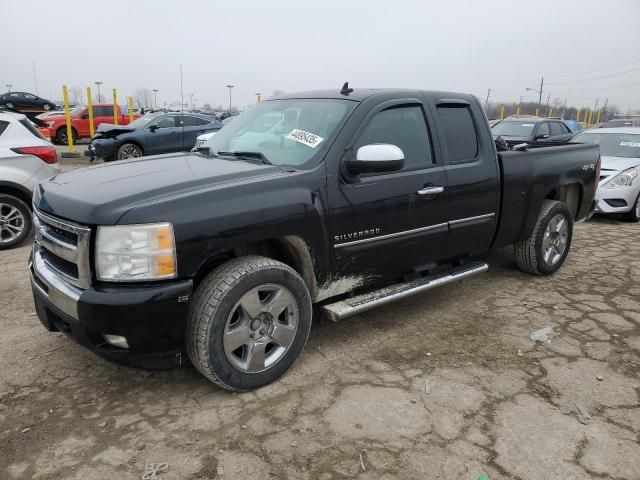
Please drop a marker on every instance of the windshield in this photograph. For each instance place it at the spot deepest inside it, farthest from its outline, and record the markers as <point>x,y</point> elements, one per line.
<point>144,120</point>
<point>285,132</point>
<point>513,129</point>
<point>625,145</point>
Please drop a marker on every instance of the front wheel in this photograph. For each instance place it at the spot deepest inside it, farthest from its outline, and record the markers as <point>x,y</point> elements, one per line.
<point>634,214</point>
<point>248,321</point>
<point>546,249</point>
<point>129,150</point>
<point>15,221</point>
<point>62,138</point>
<point>9,105</point>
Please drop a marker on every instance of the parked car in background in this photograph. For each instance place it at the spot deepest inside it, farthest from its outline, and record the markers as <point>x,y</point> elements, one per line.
<point>102,113</point>
<point>151,134</point>
<point>24,102</point>
<point>53,113</point>
<point>619,185</point>
<point>622,122</point>
<point>529,129</point>
<point>201,140</point>
<point>25,159</point>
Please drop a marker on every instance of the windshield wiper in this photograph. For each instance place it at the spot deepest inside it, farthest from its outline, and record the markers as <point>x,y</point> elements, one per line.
<point>259,156</point>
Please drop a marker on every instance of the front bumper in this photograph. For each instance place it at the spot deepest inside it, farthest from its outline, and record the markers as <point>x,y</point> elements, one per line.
<point>151,318</point>
<point>103,148</point>
<point>616,200</point>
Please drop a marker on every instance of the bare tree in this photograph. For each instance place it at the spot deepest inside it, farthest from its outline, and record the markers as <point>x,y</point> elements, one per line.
<point>206,106</point>
<point>76,95</point>
<point>143,97</point>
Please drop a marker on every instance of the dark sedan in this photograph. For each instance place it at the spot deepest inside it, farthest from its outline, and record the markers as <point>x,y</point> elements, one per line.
<point>526,129</point>
<point>26,103</point>
<point>151,134</point>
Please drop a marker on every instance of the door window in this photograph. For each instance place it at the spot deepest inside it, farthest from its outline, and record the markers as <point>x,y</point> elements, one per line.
<point>106,111</point>
<point>165,122</point>
<point>29,96</point>
<point>556,129</point>
<point>460,133</point>
<point>543,129</point>
<point>404,127</point>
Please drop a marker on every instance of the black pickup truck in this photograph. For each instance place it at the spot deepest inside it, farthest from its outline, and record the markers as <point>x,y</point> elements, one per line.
<point>333,201</point>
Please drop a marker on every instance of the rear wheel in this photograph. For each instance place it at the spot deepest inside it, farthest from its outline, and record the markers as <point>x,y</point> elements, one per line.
<point>248,322</point>
<point>634,214</point>
<point>129,150</point>
<point>546,249</point>
<point>15,221</point>
<point>9,104</point>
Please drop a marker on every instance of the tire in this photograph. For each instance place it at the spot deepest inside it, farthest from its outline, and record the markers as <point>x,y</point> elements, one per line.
<point>61,136</point>
<point>15,221</point>
<point>128,150</point>
<point>230,305</point>
<point>9,105</point>
<point>634,214</point>
<point>46,107</point>
<point>546,249</point>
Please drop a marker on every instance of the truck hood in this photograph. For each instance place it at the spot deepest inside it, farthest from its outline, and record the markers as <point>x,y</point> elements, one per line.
<point>101,195</point>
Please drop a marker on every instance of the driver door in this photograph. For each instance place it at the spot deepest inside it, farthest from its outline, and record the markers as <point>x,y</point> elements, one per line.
<point>393,222</point>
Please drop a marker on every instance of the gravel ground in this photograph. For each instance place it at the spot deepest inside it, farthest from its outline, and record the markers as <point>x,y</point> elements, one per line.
<point>444,385</point>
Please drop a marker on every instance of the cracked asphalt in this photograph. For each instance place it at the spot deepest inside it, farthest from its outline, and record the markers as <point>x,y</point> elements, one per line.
<point>444,385</point>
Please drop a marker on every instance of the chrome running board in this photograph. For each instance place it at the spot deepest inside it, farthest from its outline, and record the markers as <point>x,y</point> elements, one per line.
<point>352,306</point>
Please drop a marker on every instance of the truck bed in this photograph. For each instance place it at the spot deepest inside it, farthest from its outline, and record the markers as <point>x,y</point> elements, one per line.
<point>531,175</point>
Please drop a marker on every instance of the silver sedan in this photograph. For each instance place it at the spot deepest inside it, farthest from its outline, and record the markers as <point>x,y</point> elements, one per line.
<point>619,185</point>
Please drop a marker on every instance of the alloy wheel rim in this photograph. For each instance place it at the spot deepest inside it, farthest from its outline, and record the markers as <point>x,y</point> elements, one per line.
<point>11,223</point>
<point>554,242</point>
<point>130,152</point>
<point>261,328</point>
<point>638,208</point>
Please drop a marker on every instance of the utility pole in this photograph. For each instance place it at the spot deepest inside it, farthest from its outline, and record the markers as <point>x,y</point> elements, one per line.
<point>155,98</point>
<point>486,103</point>
<point>564,105</point>
<point>604,110</point>
<point>98,85</point>
<point>229,87</point>
<point>9,85</point>
<point>546,108</point>
<point>540,92</point>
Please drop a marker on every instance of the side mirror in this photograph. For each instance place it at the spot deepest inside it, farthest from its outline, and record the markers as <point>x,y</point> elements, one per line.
<point>153,128</point>
<point>376,158</point>
<point>542,136</point>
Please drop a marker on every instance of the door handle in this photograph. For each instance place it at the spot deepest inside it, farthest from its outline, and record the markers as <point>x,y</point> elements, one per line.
<point>430,190</point>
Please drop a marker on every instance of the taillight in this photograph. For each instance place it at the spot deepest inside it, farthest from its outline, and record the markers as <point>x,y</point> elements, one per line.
<point>46,154</point>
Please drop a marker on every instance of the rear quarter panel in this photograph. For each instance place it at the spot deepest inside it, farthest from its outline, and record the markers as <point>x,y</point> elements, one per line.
<point>529,177</point>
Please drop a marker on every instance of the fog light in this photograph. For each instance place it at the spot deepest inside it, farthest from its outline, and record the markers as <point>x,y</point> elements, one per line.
<point>116,340</point>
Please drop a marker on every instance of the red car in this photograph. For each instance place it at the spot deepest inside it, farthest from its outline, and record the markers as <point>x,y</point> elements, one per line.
<point>102,113</point>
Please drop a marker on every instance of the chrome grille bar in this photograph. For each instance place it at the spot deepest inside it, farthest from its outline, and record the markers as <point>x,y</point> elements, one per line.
<point>62,246</point>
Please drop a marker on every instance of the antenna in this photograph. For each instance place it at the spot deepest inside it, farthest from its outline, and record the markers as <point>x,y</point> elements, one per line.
<point>345,89</point>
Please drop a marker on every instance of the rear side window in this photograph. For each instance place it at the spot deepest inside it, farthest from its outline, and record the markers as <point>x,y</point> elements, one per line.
<point>460,133</point>
<point>3,126</point>
<point>189,121</point>
<point>103,111</point>
<point>29,126</point>
<point>404,127</point>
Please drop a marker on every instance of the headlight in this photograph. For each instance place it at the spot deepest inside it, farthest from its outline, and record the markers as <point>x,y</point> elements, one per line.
<point>622,180</point>
<point>128,253</point>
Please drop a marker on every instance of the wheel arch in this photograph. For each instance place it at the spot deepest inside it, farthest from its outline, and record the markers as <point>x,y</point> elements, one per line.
<point>18,191</point>
<point>570,194</point>
<point>292,250</point>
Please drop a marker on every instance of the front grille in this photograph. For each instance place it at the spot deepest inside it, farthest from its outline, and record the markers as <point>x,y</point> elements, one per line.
<point>64,247</point>
<point>63,266</point>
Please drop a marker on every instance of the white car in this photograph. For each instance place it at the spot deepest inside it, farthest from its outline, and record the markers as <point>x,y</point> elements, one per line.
<point>619,185</point>
<point>26,158</point>
<point>201,140</point>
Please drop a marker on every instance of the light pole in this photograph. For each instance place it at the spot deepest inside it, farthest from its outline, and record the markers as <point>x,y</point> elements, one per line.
<point>229,87</point>
<point>258,97</point>
<point>98,85</point>
<point>9,85</point>
<point>155,97</point>
<point>539,92</point>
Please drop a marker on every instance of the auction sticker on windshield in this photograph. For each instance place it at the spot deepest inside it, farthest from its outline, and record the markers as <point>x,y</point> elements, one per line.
<point>309,139</point>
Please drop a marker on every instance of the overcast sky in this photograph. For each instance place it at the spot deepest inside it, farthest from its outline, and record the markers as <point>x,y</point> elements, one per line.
<point>585,49</point>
